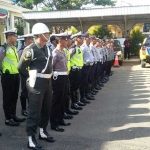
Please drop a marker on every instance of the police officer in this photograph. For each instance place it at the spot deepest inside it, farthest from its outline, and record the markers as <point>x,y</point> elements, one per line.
<point>68,112</point>
<point>38,58</point>
<point>52,43</point>
<point>59,84</point>
<point>76,63</point>
<point>95,86</point>
<point>10,78</point>
<point>99,63</point>
<point>88,62</point>
<point>28,39</point>
<point>108,68</point>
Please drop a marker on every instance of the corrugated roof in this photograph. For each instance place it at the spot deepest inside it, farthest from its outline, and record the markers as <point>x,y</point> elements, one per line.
<point>98,12</point>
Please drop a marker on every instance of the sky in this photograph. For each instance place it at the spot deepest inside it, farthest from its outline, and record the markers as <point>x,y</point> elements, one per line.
<point>132,2</point>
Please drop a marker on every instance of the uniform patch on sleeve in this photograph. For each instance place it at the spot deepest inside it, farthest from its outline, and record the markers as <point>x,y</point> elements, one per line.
<point>28,54</point>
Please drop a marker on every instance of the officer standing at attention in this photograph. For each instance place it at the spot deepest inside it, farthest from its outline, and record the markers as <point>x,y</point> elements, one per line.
<point>10,78</point>
<point>38,58</point>
<point>88,62</point>
<point>68,111</point>
<point>59,83</point>
<point>28,39</point>
<point>76,63</point>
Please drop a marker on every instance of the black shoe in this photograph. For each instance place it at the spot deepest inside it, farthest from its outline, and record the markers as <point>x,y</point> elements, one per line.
<point>57,128</point>
<point>111,74</point>
<point>11,122</point>
<point>101,84</point>
<point>32,144</point>
<point>16,119</point>
<point>80,103</point>
<point>43,135</point>
<point>70,112</point>
<point>24,113</point>
<point>76,106</point>
<point>63,123</point>
<point>84,100</point>
<point>94,90</point>
<point>88,97</point>
<point>106,78</point>
<point>98,87</point>
<point>93,93</point>
<point>0,134</point>
<point>66,116</point>
<point>103,81</point>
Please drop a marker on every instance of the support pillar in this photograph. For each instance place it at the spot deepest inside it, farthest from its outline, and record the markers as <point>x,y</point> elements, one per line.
<point>26,29</point>
<point>11,21</point>
<point>2,35</point>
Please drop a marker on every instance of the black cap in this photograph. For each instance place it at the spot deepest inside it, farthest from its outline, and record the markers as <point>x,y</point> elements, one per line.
<point>85,35</point>
<point>52,38</point>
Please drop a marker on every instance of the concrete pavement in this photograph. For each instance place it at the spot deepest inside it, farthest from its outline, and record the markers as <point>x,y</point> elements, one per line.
<point>119,118</point>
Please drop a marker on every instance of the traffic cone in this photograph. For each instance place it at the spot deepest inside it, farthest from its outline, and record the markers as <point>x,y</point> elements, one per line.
<point>116,62</point>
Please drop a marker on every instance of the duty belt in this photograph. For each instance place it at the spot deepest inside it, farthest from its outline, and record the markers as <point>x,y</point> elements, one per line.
<point>41,75</point>
<point>56,74</point>
<point>76,67</point>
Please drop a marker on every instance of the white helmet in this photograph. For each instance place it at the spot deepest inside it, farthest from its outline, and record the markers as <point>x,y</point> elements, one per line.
<point>39,28</point>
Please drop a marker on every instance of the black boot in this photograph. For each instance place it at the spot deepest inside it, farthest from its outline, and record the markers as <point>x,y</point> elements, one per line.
<point>43,135</point>
<point>24,113</point>
<point>84,100</point>
<point>32,144</point>
<point>63,123</point>
<point>11,122</point>
<point>80,103</point>
<point>70,112</point>
<point>88,97</point>
<point>76,106</point>
<point>16,119</point>
<point>67,116</point>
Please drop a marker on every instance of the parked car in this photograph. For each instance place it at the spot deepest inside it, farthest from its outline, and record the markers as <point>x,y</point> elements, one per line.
<point>119,50</point>
<point>145,52</point>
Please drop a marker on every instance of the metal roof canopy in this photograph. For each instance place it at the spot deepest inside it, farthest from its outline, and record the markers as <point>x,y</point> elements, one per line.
<point>88,17</point>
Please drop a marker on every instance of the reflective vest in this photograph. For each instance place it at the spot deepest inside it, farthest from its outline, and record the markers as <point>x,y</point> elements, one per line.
<point>77,58</point>
<point>10,61</point>
<point>68,59</point>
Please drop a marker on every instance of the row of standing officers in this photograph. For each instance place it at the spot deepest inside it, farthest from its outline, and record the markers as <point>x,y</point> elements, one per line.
<point>52,73</point>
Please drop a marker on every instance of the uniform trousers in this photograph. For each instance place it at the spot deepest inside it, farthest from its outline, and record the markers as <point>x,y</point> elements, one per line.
<point>24,92</point>
<point>108,67</point>
<point>68,95</point>
<point>75,78</point>
<point>10,87</point>
<point>59,87</point>
<point>84,79</point>
<point>127,52</point>
<point>92,74</point>
<point>40,98</point>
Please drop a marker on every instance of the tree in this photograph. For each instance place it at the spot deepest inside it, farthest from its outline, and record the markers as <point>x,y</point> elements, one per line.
<point>100,31</point>
<point>64,4</point>
<point>19,26</point>
<point>73,29</point>
<point>136,37</point>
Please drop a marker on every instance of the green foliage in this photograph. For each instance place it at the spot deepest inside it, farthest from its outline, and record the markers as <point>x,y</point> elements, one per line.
<point>136,38</point>
<point>100,31</point>
<point>25,3</point>
<point>73,29</point>
<point>63,4</point>
<point>19,26</point>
